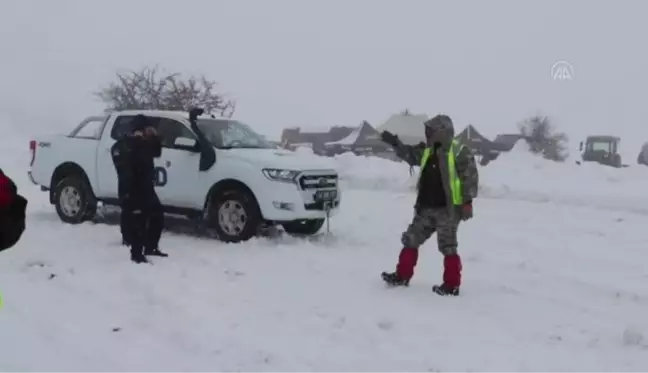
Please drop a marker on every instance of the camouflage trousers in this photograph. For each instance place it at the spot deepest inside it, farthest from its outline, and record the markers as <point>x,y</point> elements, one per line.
<point>428,221</point>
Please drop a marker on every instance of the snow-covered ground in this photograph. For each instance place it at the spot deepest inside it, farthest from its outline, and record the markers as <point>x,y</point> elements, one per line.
<point>555,278</point>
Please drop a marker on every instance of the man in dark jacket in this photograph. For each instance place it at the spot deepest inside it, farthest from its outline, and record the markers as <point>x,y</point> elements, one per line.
<point>120,154</point>
<point>447,185</point>
<point>140,204</point>
<point>12,213</point>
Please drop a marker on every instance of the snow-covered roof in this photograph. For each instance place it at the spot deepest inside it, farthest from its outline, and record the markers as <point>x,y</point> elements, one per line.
<point>470,133</point>
<point>349,140</point>
<point>408,127</point>
<point>364,135</point>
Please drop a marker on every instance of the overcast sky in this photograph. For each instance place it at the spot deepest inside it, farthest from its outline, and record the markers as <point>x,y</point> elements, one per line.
<point>338,62</point>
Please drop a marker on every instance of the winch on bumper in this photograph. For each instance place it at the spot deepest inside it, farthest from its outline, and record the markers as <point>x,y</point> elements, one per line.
<point>303,195</point>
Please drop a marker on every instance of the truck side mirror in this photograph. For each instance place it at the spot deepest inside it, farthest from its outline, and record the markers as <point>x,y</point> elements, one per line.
<point>581,146</point>
<point>186,144</point>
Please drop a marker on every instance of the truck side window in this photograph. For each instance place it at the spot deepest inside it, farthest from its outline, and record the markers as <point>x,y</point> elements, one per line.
<point>169,130</point>
<point>121,126</point>
<point>91,128</point>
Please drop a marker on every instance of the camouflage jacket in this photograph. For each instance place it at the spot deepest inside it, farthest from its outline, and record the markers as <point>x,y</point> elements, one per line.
<point>464,163</point>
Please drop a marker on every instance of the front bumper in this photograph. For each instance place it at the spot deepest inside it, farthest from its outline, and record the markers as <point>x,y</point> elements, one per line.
<point>288,201</point>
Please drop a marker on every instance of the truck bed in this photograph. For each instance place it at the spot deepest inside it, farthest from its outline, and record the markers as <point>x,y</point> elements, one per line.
<point>53,151</point>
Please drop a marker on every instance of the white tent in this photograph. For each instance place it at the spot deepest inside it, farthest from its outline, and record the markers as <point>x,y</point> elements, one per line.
<point>408,127</point>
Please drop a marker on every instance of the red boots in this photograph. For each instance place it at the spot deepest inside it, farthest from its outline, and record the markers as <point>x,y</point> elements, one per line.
<point>452,270</point>
<point>404,269</point>
<point>408,259</point>
<point>407,262</point>
<point>451,276</point>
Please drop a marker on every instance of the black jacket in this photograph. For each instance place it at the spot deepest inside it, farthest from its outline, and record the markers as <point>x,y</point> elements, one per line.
<point>12,213</point>
<point>133,158</point>
<point>430,189</point>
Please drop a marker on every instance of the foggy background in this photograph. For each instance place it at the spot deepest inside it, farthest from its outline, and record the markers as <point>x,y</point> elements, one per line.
<point>322,63</point>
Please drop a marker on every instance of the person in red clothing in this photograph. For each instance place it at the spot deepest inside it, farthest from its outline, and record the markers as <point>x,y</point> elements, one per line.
<point>447,185</point>
<point>12,213</point>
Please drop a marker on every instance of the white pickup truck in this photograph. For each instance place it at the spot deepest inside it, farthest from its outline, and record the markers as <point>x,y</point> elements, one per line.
<point>214,169</point>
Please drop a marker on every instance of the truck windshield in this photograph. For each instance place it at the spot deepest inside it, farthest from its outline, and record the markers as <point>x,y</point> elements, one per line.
<point>601,146</point>
<point>231,134</point>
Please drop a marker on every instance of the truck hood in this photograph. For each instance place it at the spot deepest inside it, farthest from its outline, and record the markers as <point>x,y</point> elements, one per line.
<point>280,159</point>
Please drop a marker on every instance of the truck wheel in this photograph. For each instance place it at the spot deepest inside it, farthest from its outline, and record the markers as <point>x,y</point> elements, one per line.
<point>304,227</point>
<point>235,216</point>
<point>74,200</point>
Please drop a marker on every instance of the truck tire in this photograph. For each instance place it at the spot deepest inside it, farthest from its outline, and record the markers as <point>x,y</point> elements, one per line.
<point>235,216</point>
<point>307,227</point>
<point>75,203</point>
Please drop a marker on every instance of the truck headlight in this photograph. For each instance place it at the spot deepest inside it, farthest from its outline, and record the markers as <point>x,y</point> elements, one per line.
<point>274,174</point>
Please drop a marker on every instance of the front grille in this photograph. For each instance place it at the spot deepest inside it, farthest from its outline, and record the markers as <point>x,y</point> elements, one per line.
<point>319,206</point>
<point>318,181</point>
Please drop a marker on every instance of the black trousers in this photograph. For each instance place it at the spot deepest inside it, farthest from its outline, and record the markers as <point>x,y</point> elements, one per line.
<point>124,222</point>
<point>124,216</point>
<point>142,222</point>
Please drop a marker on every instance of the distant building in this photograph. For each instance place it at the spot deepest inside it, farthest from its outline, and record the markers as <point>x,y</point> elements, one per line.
<point>364,140</point>
<point>292,137</point>
<point>505,142</point>
<point>481,146</point>
<point>472,138</point>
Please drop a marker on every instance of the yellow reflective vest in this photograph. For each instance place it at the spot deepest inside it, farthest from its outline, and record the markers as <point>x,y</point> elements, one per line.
<point>454,180</point>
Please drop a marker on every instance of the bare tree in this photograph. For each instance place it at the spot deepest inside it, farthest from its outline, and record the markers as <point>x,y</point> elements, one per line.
<point>543,139</point>
<point>152,89</point>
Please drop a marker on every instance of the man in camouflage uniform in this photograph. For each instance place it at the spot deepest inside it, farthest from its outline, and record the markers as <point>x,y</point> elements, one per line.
<point>447,185</point>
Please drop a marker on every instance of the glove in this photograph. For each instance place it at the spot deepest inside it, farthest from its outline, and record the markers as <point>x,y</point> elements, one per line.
<point>466,211</point>
<point>150,131</point>
<point>389,138</point>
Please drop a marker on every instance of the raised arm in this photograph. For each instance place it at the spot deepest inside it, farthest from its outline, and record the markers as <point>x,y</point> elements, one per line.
<point>410,154</point>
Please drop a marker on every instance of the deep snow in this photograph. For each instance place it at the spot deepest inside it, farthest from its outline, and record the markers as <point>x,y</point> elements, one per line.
<point>554,279</point>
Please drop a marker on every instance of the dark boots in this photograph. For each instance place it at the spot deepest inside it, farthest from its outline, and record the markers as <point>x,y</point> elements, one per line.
<point>137,256</point>
<point>155,252</point>
<point>407,261</point>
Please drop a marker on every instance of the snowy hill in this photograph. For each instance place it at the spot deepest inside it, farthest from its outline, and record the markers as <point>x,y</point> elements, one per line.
<point>555,279</point>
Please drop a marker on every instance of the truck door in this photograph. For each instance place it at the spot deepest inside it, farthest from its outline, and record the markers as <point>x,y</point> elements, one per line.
<point>179,182</point>
<point>106,173</point>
